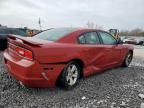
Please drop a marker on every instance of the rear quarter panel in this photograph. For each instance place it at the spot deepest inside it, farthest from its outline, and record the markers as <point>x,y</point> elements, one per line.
<point>59,53</point>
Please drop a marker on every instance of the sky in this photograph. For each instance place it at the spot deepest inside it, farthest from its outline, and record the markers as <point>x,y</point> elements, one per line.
<point>120,14</point>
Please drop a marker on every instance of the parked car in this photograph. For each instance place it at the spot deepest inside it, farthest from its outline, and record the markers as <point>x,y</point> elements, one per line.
<point>136,41</point>
<point>4,33</point>
<point>64,55</point>
<point>130,41</point>
<point>123,38</point>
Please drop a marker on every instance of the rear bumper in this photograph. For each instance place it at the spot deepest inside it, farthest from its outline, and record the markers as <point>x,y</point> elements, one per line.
<point>32,73</point>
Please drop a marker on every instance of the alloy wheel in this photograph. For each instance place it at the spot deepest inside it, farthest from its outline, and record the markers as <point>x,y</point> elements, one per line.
<point>72,74</point>
<point>128,59</point>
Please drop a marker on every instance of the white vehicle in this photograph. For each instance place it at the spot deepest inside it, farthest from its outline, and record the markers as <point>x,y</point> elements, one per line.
<point>134,40</point>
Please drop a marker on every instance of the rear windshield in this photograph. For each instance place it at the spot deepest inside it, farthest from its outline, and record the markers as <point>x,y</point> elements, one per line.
<point>54,34</point>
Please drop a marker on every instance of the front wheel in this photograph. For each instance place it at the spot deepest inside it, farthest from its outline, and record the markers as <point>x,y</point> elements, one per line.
<point>128,59</point>
<point>141,43</point>
<point>70,76</point>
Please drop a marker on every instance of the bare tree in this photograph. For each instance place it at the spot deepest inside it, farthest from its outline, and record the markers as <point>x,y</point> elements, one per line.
<point>93,25</point>
<point>134,32</point>
<point>90,24</point>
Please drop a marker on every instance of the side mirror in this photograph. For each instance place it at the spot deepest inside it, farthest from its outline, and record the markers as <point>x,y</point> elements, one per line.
<point>119,41</point>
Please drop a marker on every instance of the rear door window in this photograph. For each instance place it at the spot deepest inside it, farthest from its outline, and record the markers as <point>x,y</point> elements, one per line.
<point>82,39</point>
<point>89,38</point>
<point>92,38</point>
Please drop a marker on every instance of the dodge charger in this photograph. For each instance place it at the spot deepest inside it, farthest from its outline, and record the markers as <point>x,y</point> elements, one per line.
<point>64,55</point>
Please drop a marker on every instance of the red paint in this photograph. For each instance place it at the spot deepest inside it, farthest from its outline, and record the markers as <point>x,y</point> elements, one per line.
<point>41,56</point>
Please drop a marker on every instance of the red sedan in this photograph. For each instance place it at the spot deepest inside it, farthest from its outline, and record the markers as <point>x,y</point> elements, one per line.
<point>63,55</point>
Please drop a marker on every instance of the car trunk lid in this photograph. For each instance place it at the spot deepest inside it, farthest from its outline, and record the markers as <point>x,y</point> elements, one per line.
<point>23,47</point>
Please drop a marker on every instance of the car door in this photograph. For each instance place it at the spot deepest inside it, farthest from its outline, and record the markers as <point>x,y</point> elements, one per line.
<point>111,48</point>
<point>93,53</point>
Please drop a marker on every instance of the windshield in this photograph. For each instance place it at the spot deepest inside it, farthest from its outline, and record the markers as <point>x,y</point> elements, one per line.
<point>54,34</point>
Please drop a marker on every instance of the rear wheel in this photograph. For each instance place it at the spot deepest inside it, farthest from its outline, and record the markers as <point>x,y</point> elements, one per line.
<point>70,76</point>
<point>128,59</point>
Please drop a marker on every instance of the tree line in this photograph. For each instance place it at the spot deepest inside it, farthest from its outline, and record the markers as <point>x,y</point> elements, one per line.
<point>134,32</point>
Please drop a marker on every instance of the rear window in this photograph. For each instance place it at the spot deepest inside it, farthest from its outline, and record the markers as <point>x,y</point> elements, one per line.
<point>54,34</point>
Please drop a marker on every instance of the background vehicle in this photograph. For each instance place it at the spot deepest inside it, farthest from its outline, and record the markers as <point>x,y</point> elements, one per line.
<point>63,55</point>
<point>123,38</point>
<point>4,33</point>
<point>134,40</point>
<point>129,39</point>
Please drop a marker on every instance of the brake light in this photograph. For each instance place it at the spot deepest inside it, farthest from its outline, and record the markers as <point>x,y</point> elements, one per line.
<point>28,54</point>
<point>24,53</point>
<point>20,51</point>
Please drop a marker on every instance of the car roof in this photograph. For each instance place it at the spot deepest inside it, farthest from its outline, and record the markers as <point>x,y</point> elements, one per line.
<point>73,29</point>
<point>69,38</point>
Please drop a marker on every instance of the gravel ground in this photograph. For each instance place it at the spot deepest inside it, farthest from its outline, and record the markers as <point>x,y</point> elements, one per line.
<point>115,88</point>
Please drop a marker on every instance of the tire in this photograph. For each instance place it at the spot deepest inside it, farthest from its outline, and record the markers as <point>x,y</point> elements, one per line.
<point>141,43</point>
<point>67,79</point>
<point>3,44</point>
<point>128,59</point>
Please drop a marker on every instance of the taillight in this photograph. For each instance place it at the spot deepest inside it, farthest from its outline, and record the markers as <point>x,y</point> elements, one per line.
<point>25,53</point>
<point>20,51</point>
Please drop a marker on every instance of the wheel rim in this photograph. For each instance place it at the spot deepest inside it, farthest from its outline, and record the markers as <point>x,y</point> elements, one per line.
<point>129,59</point>
<point>72,74</point>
